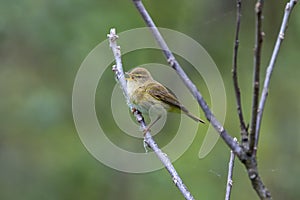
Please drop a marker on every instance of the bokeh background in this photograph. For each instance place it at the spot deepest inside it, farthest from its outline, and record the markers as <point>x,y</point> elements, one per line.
<point>42,44</point>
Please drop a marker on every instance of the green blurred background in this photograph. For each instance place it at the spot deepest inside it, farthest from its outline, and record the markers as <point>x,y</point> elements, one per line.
<point>42,46</point>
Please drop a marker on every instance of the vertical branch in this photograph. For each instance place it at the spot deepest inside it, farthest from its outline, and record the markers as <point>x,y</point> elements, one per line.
<point>118,69</point>
<point>244,131</point>
<point>230,174</point>
<point>257,57</point>
<point>288,9</point>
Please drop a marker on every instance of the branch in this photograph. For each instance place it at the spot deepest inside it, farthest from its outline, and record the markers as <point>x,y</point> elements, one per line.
<point>288,9</point>
<point>118,69</point>
<point>230,174</point>
<point>257,57</point>
<point>176,66</point>
<point>244,131</point>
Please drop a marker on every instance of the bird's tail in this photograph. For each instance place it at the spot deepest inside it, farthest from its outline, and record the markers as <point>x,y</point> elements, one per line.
<point>191,115</point>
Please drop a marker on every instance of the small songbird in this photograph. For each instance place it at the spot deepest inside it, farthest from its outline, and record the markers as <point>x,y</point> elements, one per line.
<point>144,92</point>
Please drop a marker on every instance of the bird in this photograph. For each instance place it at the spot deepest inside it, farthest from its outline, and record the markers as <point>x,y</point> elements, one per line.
<point>145,92</point>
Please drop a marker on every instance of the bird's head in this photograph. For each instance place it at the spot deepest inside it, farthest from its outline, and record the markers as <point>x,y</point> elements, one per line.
<point>139,74</point>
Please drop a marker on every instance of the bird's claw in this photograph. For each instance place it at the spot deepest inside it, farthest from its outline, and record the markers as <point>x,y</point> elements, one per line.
<point>133,110</point>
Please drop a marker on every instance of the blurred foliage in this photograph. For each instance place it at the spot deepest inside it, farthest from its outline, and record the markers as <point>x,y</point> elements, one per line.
<point>42,44</point>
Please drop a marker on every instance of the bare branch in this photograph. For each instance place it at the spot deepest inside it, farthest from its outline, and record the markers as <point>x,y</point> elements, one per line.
<point>118,69</point>
<point>230,174</point>
<point>288,9</point>
<point>256,82</point>
<point>256,180</point>
<point>176,66</point>
<point>244,131</point>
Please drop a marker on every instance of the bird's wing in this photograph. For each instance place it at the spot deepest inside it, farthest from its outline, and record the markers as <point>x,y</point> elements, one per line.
<point>161,93</point>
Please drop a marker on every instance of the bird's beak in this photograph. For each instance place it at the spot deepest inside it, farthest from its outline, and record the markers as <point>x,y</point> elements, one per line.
<point>128,76</point>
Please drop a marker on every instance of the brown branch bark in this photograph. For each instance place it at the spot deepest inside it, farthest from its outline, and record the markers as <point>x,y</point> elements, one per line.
<point>243,127</point>
<point>256,82</point>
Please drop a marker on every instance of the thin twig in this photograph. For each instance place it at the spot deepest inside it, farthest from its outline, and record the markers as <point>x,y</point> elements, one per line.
<point>176,66</point>
<point>230,174</point>
<point>244,131</point>
<point>256,82</point>
<point>118,69</point>
<point>288,9</point>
